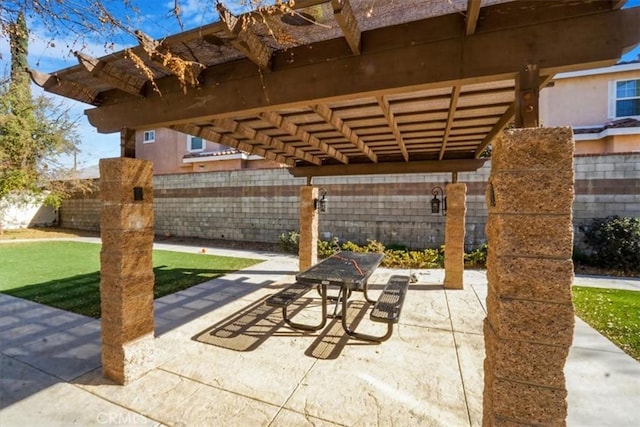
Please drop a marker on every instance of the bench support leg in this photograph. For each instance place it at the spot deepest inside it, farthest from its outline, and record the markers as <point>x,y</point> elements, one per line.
<point>358,335</point>
<point>285,316</point>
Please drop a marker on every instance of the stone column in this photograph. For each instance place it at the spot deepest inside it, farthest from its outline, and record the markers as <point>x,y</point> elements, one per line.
<point>126,268</point>
<point>308,252</point>
<point>530,319</point>
<point>454,236</point>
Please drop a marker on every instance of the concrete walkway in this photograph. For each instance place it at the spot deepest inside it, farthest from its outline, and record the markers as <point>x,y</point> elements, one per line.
<point>224,358</point>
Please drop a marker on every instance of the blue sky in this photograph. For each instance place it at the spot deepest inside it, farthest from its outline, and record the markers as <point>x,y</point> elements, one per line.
<point>49,53</point>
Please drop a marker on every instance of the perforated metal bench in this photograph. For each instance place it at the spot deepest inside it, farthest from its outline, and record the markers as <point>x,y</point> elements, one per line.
<point>291,294</point>
<point>389,305</point>
<point>386,309</point>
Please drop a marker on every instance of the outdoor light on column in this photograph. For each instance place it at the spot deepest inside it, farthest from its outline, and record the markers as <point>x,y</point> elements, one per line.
<point>436,202</point>
<point>321,203</point>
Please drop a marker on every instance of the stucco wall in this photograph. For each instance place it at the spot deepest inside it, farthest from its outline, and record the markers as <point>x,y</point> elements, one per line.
<point>169,148</point>
<point>22,211</point>
<point>259,205</point>
<point>580,101</point>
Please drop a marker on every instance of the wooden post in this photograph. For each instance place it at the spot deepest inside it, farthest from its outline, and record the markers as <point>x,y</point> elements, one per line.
<point>528,97</point>
<point>128,143</point>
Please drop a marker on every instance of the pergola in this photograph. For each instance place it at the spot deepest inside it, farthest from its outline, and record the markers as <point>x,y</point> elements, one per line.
<point>351,87</point>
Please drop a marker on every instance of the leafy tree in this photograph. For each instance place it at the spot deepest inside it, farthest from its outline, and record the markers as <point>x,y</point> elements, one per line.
<point>34,133</point>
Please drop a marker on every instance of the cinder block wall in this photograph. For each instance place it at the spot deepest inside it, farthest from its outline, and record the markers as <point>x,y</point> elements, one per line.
<point>259,205</point>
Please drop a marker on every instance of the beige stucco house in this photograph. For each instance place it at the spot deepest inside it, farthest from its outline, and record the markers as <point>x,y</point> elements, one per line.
<point>174,152</point>
<point>602,105</point>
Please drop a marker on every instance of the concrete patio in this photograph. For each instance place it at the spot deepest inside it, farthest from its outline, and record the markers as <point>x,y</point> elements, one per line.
<point>224,358</point>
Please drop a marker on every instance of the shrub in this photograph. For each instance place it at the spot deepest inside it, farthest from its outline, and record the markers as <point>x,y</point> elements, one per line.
<point>290,242</point>
<point>326,248</point>
<point>477,258</point>
<point>371,246</point>
<point>613,243</point>
<point>428,258</point>
<point>395,256</point>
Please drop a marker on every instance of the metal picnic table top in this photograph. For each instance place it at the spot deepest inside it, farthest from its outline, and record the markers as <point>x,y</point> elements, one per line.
<point>349,269</point>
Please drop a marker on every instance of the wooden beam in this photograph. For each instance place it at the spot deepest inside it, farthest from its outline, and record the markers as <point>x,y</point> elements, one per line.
<point>293,129</point>
<point>327,114</point>
<point>391,120</point>
<point>527,109</point>
<point>111,75</point>
<point>244,38</point>
<point>66,88</point>
<point>213,136</point>
<point>587,41</point>
<point>453,104</point>
<point>261,137</point>
<point>343,14</point>
<point>618,4</point>
<point>471,18</point>
<point>426,166</point>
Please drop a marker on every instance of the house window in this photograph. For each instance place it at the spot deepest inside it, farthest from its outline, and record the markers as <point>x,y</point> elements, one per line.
<point>149,136</point>
<point>627,98</point>
<point>196,143</point>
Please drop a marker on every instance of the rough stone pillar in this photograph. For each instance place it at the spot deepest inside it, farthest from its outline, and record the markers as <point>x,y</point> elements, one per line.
<point>454,236</point>
<point>308,252</point>
<point>126,268</point>
<point>529,325</point>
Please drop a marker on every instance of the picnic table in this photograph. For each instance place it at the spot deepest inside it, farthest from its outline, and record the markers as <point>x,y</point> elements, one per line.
<point>348,271</point>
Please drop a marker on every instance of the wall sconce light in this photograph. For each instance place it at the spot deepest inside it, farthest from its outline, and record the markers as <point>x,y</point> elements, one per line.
<point>436,202</point>
<point>321,203</point>
<point>137,194</point>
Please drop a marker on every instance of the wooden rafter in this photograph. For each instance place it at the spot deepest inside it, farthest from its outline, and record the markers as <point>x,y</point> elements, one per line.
<point>327,114</point>
<point>560,46</point>
<point>391,120</point>
<point>497,128</point>
<point>162,57</point>
<point>111,75</point>
<point>425,166</point>
<point>343,13</point>
<point>245,39</point>
<point>471,19</point>
<point>213,136</point>
<point>293,129</point>
<point>66,88</point>
<point>453,104</point>
<point>261,137</point>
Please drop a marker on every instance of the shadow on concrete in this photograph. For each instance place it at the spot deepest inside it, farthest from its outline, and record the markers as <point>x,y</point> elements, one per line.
<point>248,328</point>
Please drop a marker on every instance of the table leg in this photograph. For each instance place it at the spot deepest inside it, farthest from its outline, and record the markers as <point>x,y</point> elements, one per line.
<point>357,335</point>
<point>366,295</point>
<point>323,292</point>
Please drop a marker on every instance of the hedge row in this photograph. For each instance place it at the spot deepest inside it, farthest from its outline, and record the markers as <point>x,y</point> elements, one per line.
<point>395,257</point>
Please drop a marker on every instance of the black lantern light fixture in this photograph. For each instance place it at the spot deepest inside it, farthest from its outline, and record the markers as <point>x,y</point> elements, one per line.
<point>436,202</point>
<point>321,203</point>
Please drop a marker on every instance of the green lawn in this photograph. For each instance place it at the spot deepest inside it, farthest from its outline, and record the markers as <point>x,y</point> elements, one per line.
<point>614,313</point>
<point>66,275</point>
